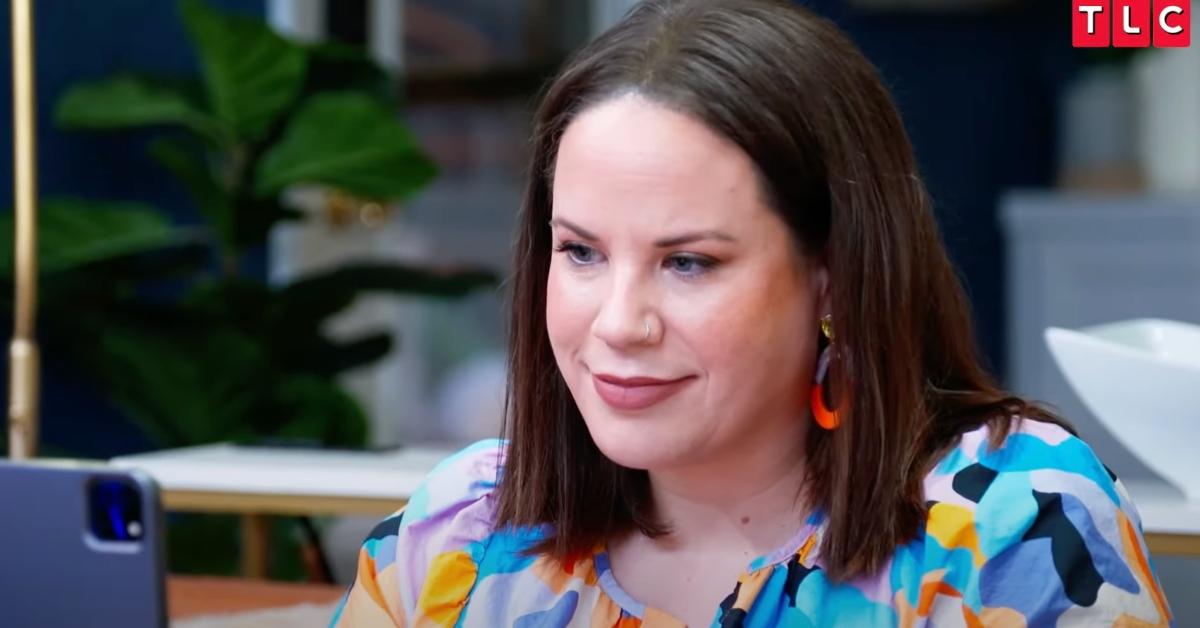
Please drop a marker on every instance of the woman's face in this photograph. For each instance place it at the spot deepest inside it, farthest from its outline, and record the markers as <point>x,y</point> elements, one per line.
<point>682,316</point>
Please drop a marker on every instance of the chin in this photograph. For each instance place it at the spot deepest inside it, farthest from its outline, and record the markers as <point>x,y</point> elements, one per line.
<point>638,446</point>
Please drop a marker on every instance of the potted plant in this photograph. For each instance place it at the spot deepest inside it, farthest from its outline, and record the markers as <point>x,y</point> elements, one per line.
<point>167,319</point>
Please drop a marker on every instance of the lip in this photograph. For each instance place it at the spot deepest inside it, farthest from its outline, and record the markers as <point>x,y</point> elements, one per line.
<point>636,393</point>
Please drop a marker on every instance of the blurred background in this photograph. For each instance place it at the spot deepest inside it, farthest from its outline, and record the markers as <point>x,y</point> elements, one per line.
<point>209,277</point>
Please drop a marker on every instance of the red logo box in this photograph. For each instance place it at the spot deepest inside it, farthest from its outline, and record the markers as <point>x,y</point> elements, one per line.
<point>1090,20</point>
<point>1131,23</point>
<point>1172,23</point>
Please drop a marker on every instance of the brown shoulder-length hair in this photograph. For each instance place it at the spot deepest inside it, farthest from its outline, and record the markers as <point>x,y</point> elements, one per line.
<point>836,164</point>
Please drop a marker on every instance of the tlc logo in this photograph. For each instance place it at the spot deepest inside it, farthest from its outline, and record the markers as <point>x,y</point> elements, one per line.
<point>1133,23</point>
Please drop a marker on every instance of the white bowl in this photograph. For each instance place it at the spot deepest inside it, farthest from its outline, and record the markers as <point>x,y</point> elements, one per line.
<point>1141,378</point>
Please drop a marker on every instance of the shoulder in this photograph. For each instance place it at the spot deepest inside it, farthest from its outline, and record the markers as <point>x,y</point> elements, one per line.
<point>450,515</point>
<point>1042,457</point>
<point>432,547</point>
<point>465,479</point>
<point>1039,476</point>
<point>1037,527</point>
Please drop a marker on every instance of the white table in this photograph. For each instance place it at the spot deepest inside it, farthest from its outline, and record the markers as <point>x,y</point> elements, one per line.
<point>261,482</point>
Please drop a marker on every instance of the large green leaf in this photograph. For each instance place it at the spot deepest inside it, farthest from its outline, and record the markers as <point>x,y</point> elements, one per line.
<point>296,316</point>
<point>186,389</point>
<point>221,383</point>
<point>253,75</point>
<point>361,351</point>
<point>310,351</point>
<point>211,198</point>
<point>74,233</point>
<point>349,141</point>
<point>126,101</point>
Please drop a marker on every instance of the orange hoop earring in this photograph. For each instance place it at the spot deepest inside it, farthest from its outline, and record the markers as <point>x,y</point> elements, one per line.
<point>825,416</point>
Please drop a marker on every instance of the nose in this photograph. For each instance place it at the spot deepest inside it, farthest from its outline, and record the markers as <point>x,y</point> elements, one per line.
<point>626,313</point>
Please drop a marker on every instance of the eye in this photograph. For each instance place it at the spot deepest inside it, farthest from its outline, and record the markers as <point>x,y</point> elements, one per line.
<point>690,266</point>
<point>579,254</point>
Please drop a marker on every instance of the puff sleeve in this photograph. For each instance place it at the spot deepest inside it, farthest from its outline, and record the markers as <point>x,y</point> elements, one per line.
<point>417,567</point>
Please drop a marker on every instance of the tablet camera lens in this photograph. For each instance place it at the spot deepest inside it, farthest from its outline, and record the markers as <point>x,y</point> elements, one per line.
<point>115,510</point>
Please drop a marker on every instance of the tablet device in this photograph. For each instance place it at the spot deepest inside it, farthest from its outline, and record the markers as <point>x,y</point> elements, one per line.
<point>80,545</point>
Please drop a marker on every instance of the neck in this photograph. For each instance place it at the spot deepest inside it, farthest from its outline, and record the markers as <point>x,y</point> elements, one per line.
<point>749,498</point>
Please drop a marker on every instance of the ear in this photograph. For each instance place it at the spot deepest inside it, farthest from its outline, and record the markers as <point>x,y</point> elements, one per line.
<point>824,300</point>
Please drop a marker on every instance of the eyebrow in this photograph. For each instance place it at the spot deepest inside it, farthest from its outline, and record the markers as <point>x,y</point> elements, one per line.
<point>683,238</point>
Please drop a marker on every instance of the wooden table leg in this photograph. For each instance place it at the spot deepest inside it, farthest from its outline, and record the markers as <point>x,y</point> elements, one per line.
<point>256,545</point>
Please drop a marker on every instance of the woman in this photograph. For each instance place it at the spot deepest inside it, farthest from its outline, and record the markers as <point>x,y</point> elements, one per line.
<point>744,389</point>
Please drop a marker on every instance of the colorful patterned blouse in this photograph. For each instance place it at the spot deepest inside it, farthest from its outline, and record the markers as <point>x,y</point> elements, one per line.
<point>1037,532</point>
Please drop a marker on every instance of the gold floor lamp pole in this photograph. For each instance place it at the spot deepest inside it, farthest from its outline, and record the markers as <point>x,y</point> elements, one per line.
<point>23,352</point>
